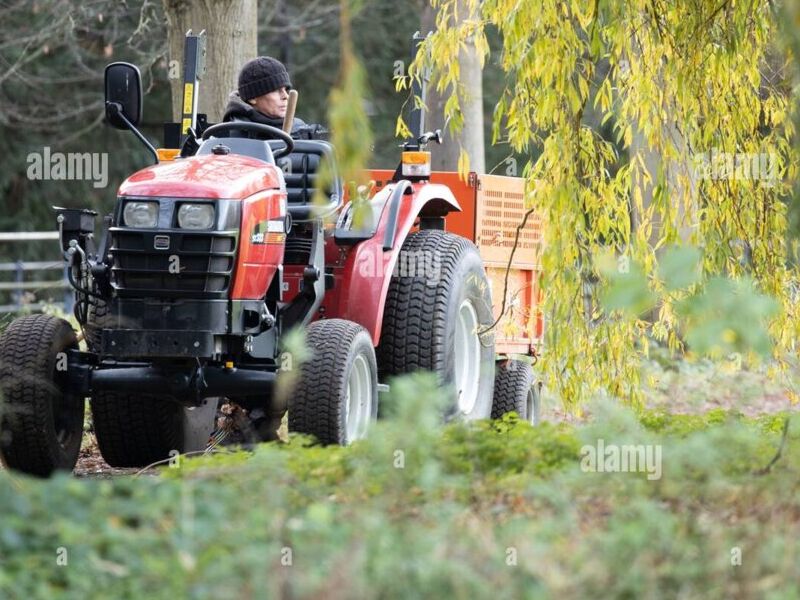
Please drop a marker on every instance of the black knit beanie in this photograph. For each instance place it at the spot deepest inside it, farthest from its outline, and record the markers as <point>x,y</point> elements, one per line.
<point>261,76</point>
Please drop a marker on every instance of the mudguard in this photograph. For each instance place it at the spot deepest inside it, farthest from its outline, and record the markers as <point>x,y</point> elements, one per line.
<point>361,288</point>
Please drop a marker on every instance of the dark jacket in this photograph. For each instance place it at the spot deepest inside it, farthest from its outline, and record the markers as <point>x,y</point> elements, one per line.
<point>239,110</point>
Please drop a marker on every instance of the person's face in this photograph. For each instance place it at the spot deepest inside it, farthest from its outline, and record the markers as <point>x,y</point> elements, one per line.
<point>272,104</point>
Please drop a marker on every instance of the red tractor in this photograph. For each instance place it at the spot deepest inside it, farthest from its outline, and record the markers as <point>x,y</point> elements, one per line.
<point>205,265</point>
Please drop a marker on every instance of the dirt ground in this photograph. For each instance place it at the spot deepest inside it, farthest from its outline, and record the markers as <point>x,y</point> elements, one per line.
<point>91,463</point>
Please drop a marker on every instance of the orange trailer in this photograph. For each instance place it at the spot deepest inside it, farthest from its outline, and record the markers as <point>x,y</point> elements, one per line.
<point>492,207</point>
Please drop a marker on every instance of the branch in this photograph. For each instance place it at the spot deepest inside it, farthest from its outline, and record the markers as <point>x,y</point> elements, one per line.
<point>778,454</point>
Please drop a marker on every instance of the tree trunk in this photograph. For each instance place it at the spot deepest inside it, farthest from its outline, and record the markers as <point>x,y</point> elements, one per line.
<point>445,157</point>
<point>231,40</point>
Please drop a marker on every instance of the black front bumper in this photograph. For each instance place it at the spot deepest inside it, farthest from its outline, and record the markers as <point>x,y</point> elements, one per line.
<point>186,382</point>
<point>151,328</point>
<point>157,343</point>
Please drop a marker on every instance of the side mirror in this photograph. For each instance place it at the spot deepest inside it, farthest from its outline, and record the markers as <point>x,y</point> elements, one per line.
<point>123,85</point>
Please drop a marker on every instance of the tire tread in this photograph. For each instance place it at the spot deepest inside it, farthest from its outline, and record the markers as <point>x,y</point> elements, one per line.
<point>415,314</point>
<point>316,405</point>
<point>511,385</point>
<point>135,430</point>
<point>28,351</point>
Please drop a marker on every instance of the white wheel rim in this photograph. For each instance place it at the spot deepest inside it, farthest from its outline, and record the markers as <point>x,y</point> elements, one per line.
<point>359,401</point>
<point>530,403</point>
<point>467,357</point>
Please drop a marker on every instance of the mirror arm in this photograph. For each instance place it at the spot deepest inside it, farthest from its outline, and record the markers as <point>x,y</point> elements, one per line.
<point>117,110</point>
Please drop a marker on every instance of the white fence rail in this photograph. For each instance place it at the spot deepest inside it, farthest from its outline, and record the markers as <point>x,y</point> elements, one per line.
<point>20,268</point>
<point>22,236</point>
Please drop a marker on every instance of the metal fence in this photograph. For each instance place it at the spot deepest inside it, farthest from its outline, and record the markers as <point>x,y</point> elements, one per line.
<point>20,284</point>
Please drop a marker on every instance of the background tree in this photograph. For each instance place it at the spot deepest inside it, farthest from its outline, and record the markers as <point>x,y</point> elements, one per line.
<point>699,69</point>
<point>52,56</point>
<point>231,27</point>
<point>467,135</point>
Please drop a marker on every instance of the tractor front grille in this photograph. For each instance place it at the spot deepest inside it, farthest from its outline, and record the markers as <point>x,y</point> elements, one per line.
<point>197,264</point>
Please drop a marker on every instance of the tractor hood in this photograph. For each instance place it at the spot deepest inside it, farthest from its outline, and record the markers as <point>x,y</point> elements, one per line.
<point>231,176</point>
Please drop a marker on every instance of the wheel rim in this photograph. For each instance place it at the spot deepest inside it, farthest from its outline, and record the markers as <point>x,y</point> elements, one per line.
<point>359,401</point>
<point>530,406</point>
<point>467,357</point>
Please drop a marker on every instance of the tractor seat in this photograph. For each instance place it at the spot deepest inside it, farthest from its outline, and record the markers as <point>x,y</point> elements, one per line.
<point>301,172</point>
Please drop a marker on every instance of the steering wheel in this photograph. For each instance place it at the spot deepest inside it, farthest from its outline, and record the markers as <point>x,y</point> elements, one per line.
<point>256,128</point>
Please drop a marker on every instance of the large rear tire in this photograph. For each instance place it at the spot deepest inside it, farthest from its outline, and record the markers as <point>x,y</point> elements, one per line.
<point>136,430</point>
<point>437,304</point>
<point>335,398</point>
<point>42,422</point>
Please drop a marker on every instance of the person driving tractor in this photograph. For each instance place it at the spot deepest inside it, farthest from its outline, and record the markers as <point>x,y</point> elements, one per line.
<point>262,95</point>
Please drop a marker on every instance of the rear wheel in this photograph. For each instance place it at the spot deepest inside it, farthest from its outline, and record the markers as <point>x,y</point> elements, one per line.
<point>514,391</point>
<point>42,422</point>
<point>436,307</point>
<point>136,430</point>
<point>336,395</point>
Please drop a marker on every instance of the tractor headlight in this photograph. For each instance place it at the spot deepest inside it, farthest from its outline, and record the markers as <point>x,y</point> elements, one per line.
<point>143,215</point>
<point>196,216</point>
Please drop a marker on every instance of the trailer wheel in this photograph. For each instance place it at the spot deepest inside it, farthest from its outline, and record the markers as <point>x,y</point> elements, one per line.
<point>438,302</point>
<point>514,391</point>
<point>42,422</point>
<point>336,395</point>
<point>136,430</point>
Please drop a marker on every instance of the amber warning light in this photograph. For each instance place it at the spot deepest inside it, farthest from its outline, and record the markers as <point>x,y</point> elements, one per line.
<point>416,164</point>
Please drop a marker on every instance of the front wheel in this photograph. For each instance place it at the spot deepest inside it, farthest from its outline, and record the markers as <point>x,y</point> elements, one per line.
<point>336,396</point>
<point>42,420</point>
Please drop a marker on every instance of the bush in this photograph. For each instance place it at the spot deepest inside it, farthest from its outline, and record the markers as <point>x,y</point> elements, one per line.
<point>461,511</point>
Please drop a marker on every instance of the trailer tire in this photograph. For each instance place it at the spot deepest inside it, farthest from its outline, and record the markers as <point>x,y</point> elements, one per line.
<point>136,430</point>
<point>335,398</point>
<point>41,423</point>
<point>514,391</point>
<point>426,320</point>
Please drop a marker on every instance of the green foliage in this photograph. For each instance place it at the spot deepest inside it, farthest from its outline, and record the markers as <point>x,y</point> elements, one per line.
<point>509,446</point>
<point>294,353</point>
<point>679,268</point>
<point>460,511</point>
<point>720,316</point>
<point>351,134</point>
<point>728,316</point>
<point>683,424</point>
<point>627,290</point>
